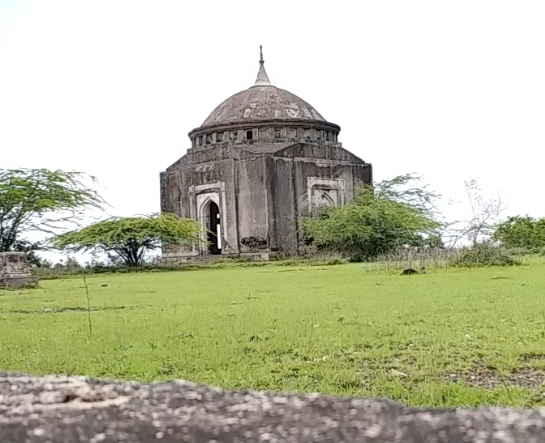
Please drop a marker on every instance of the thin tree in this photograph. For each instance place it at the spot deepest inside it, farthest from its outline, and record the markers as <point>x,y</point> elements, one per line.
<point>130,238</point>
<point>41,200</point>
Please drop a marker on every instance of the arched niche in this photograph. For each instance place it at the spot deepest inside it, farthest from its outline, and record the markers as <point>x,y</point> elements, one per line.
<point>209,216</point>
<point>322,193</point>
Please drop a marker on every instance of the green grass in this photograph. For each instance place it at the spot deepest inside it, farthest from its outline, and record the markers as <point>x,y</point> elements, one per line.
<point>462,337</point>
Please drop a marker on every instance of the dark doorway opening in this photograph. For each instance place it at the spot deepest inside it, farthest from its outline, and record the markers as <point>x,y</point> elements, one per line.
<point>214,237</point>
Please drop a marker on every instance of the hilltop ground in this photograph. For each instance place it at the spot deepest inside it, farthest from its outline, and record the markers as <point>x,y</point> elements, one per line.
<point>446,338</point>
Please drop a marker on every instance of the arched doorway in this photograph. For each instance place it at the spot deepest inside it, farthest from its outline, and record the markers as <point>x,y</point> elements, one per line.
<point>214,228</point>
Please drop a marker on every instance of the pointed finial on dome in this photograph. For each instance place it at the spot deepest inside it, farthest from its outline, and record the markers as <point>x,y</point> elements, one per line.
<point>262,77</point>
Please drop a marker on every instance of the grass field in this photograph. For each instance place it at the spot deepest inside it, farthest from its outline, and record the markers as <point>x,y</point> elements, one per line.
<point>446,338</point>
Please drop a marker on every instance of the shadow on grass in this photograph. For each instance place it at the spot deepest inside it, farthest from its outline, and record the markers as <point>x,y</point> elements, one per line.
<point>68,309</point>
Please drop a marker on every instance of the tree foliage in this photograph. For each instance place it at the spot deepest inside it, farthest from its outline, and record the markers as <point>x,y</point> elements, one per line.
<point>521,232</point>
<point>30,249</point>
<point>40,200</point>
<point>131,237</point>
<point>392,213</point>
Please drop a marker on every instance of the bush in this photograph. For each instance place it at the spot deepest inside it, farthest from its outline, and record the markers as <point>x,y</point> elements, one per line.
<point>521,232</point>
<point>484,254</point>
<point>378,220</point>
<point>523,251</point>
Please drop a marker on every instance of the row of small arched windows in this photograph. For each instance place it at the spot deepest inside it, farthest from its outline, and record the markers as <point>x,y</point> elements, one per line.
<point>265,134</point>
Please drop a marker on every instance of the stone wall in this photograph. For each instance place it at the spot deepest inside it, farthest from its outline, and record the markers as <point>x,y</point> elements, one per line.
<point>288,173</point>
<point>252,215</point>
<point>82,410</point>
<point>264,190</point>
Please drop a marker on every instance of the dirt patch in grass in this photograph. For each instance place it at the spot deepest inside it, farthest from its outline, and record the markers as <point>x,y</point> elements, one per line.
<point>482,376</point>
<point>58,310</point>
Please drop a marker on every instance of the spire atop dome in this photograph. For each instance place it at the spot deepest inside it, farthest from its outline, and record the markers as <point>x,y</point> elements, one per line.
<point>262,77</point>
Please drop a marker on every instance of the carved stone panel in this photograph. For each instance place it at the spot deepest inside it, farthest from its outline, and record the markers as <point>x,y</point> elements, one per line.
<point>323,193</point>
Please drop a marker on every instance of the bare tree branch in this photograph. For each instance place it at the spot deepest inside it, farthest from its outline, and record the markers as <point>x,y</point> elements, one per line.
<point>485,215</point>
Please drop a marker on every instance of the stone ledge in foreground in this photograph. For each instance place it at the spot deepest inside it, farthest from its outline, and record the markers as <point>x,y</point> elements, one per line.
<point>79,409</point>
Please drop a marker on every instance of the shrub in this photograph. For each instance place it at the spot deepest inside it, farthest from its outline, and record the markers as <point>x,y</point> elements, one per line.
<point>378,220</point>
<point>521,232</point>
<point>523,251</point>
<point>484,254</point>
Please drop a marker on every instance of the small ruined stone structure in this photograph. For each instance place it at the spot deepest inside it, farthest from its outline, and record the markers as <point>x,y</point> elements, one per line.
<point>14,270</point>
<point>82,410</point>
<point>261,160</point>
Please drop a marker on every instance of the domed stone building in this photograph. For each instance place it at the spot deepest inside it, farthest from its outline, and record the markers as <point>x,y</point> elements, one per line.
<point>261,160</point>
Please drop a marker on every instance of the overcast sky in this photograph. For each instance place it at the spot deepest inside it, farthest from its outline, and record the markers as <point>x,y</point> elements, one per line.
<point>450,90</point>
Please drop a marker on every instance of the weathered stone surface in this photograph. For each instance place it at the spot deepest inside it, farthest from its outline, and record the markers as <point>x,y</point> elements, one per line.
<point>76,409</point>
<point>14,270</point>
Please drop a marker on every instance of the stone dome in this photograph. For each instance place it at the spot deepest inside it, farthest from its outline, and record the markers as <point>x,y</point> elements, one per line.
<point>261,102</point>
